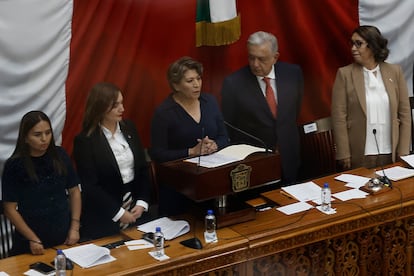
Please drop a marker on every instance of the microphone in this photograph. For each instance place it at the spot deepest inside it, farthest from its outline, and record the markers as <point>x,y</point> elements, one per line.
<point>384,179</point>
<point>257,139</point>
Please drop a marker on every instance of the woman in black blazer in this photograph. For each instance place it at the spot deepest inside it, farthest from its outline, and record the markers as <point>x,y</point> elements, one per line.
<point>111,164</point>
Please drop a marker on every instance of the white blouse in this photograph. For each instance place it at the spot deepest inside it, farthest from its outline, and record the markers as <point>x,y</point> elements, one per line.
<point>378,113</point>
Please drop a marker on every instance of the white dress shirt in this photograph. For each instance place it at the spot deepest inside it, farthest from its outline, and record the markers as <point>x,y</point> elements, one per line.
<point>125,160</point>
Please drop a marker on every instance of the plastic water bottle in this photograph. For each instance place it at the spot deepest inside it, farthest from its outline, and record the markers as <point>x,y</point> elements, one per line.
<point>210,234</point>
<point>326,197</point>
<point>158,242</point>
<point>60,263</point>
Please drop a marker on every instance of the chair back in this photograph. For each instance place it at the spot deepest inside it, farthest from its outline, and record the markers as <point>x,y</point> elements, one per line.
<point>6,233</point>
<point>317,149</point>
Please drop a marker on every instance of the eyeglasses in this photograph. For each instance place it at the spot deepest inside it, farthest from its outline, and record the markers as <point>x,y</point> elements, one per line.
<point>357,43</point>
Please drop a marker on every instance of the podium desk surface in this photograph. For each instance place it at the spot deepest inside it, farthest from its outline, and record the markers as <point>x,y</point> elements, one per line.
<point>200,184</point>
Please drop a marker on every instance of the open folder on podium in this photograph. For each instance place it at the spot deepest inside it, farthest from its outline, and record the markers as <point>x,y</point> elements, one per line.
<point>225,156</point>
<point>202,183</point>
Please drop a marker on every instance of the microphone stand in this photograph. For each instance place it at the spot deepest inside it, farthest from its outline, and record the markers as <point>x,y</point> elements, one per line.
<point>383,179</point>
<point>257,139</point>
<point>201,147</point>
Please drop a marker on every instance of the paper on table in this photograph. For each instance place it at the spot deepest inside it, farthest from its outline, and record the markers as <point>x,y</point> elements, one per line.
<point>138,244</point>
<point>409,159</point>
<point>32,272</point>
<point>353,181</point>
<point>318,201</point>
<point>304,191</point>
<point>89,255</point>
<point>396,173</point>
<point>170,228</point>
<point>294,208</point>
<point>225,156</point>
<point>350,194</point>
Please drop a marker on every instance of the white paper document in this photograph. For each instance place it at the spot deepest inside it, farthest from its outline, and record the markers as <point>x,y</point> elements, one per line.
<point>304,192</point>
<point>350,194</point>
<point>396,173</point>
<point>294,208</point>
<point>89,255</point>
<point>409,159</point>
<point>170,228</point>
<point>225,156</point>
<point>353,181</point>
<point>32,272</point>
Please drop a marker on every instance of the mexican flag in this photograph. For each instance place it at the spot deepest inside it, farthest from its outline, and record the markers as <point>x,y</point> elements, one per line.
<point>217,22</point>
<point>34,64</point>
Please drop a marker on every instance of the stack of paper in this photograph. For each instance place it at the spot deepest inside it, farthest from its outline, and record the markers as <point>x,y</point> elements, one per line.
<point>304,191</point>
<point>396,173</point>
<point>89,255</point>
<point>353,181</point>
<point>170,228</point>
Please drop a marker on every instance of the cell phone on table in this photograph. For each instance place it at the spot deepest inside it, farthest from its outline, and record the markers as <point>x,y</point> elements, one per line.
<point>42,268</point>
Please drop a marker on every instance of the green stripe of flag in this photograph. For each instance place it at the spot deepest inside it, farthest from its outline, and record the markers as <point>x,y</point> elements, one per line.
<point>203,11</point>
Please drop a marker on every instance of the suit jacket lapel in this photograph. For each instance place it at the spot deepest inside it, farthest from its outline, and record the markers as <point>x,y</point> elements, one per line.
<point>128,137</point>
<point>387,78</point>
<point>358,80</point>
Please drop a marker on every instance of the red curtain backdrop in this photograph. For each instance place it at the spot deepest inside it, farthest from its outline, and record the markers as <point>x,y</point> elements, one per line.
<point>132,42</point>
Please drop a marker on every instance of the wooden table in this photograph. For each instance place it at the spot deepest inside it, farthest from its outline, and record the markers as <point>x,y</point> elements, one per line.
<point>370,236</point>
<point>183,261</point>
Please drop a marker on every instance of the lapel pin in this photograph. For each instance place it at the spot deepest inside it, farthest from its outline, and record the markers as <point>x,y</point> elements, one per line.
<point>390,79</point>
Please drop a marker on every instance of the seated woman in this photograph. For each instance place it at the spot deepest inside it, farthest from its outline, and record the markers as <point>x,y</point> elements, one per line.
<point>36,182</point>
<point>111,164</point>
<point>188,123</point>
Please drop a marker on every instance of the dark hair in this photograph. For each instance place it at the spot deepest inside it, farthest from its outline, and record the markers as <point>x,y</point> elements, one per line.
<point>376,42</point>
<point>22,149</point>
<point>177,69</point>
<point>102,97</point>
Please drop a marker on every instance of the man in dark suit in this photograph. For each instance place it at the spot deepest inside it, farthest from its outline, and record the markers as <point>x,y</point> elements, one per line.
<point>264,99</point>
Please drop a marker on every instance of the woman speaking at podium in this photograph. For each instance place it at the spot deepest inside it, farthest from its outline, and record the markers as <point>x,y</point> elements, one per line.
<point>188,123</point>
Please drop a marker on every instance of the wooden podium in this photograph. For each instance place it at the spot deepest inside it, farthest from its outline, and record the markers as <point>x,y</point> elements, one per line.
<point>206,185</point>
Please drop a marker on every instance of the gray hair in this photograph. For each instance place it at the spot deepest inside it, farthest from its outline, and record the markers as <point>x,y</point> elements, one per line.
<point>258,38</point>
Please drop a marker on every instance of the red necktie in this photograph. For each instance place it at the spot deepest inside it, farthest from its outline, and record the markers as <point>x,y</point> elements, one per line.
<point>270,97</point>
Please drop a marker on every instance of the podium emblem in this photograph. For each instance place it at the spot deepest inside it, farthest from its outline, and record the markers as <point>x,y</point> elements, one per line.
<point>240,177</point>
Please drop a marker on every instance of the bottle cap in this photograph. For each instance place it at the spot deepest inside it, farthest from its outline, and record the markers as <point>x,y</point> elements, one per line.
<point>59,251</point>
<point>157,229</point>
<point>209,212</point>
<point>326,185</point>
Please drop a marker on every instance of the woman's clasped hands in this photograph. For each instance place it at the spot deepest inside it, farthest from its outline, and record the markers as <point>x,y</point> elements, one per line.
<point>204,146</point>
